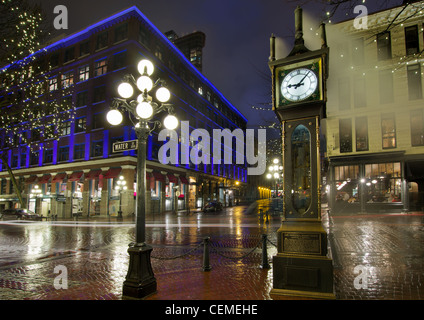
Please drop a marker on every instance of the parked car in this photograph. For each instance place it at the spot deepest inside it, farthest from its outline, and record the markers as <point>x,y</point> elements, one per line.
<point>213,206</point>
<point>19,214</point>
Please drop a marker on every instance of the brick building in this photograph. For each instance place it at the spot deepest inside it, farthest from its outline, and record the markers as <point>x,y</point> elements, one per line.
<point>78,172</point>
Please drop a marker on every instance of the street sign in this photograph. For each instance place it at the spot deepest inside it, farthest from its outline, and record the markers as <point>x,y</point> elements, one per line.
<point>125,146</point>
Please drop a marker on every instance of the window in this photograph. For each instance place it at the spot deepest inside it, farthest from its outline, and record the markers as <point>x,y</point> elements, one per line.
<point>79,151</point>
<point>119,60</point>
<point>99,94</point>
<point>34,158</point>
<point>67,101</point>
<point>358,54</point>
<point>388,128</point>
<point>344,93</point>
<point>98,121</point>
<point>82,99</point>
<point>121,32</point>
<point>54,60</point>
<point>23,159</point>
<point>361,128</point>
<point>36,134</point>
<point>383,182</point>
<point>158,52</point>
<point>67,80</point>
<point>100,67</point>
<point>80,124</point>
<point>97,148</point>
<point>48,156</point>
<point>15,161</point>
<point>359,93</point>
<point>414,82</point>
<point>84,73</point>
<point>143,36</point>
<point>84,48</point>
<point>64,153</point>
<point>102,40</point>
<point>411,40</point>
<point>346,179</point>
<point>417,128</point>
<point>386,86</point>
<point>66,129</point>
<point>384,46</point>
<point>53,84</point>
<point>69,54</point>
<point>345,129</point>
<point>48,132</point>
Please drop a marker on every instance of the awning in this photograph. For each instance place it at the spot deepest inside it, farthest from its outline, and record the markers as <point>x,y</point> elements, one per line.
<point>113,173</point>
<point>172,178</point>
<point>31,180</point>
<point>93,174</point>
<point>76,176</point>
<point>59,177</point>
<point>183,180</point>
<point>158,176</point>
<point>44,179</point>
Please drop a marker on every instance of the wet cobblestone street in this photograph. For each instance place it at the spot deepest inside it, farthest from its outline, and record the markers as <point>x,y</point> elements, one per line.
<point>387,247</point>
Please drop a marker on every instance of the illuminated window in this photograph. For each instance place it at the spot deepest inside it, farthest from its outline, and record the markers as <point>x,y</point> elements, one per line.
<point>388,128</point>
<point>83,73</point>
<point>53,84</point>
<point>361,128</point>
<point>67,80</point>
<point>100,67</point>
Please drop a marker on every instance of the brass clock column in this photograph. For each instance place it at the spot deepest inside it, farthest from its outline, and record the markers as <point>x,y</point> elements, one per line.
<point>301,268</point>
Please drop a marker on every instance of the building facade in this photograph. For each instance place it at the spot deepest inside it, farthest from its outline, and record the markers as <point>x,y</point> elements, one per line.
<point>78,173</point>
<point>375,124</point>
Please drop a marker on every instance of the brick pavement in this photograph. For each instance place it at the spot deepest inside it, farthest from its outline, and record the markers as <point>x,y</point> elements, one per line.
<point>388,246</point>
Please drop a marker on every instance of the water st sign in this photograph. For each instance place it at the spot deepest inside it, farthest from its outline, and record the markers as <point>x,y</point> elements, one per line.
<point>125,146</point>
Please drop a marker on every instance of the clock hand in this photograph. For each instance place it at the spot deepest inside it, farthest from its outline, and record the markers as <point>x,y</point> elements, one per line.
<point>301,81</point>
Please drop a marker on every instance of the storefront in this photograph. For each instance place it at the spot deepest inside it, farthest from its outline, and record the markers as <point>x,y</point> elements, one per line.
<point>367,184</point>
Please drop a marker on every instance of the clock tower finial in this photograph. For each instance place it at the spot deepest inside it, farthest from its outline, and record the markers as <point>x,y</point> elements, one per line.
<point>299,42</point>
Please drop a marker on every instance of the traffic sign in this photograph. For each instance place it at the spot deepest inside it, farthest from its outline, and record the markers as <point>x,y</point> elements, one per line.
<point>125,146</point>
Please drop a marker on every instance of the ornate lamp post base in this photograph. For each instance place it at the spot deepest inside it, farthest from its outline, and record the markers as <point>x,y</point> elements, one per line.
<point>140,281</point>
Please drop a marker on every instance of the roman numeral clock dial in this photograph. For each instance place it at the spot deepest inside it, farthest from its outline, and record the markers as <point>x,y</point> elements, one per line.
<point>299,84</point>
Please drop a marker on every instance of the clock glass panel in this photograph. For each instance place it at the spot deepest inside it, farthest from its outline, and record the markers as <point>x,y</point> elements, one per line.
<point>299,84</point>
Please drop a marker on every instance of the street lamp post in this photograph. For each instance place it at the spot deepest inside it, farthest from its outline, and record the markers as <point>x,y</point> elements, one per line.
<point>140,281</point>
<point>276,172</point>
<point>121,185</point>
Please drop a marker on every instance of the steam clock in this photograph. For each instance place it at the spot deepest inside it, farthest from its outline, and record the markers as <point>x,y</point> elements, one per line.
<point>301,267</point>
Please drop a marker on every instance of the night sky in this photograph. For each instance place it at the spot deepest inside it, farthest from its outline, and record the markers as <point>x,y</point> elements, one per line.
<point>237,37</point>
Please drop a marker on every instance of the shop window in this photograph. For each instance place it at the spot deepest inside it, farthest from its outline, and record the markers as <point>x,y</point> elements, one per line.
<point>347,184</point>
<point>383,182</point>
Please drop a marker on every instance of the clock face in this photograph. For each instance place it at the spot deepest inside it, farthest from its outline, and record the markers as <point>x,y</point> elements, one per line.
<point>299,84</point>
